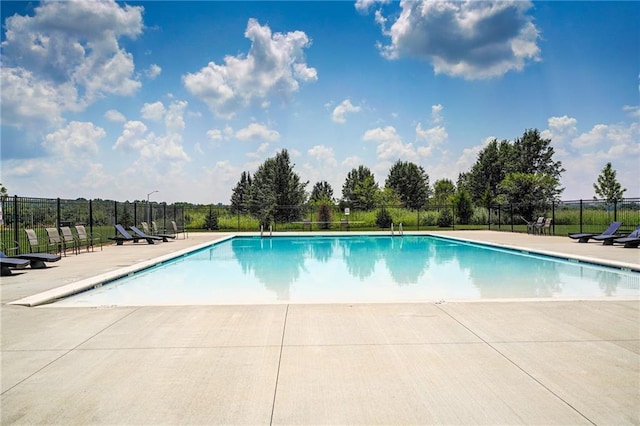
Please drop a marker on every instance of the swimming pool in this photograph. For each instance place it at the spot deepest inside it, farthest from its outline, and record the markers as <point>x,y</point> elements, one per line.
<point>352,269</point>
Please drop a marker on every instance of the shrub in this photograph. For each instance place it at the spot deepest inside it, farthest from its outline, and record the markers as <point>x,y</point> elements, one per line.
<point>324,215</point>
<point>383,218</point>
<point>445,219</point>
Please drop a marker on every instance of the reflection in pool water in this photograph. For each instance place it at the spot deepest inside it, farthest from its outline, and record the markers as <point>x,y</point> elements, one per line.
<point>357,269</point>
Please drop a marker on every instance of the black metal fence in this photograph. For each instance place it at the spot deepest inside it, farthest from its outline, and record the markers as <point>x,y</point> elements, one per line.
<point>98,216</point>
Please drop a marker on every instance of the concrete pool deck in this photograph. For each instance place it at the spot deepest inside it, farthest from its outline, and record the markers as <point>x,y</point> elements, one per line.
<point>516,362</point>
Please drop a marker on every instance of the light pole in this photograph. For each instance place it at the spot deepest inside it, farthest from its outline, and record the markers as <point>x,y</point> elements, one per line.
<point>149,206</point>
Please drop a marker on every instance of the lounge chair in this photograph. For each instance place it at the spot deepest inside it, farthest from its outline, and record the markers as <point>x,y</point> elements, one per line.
<point>177,230</point>
<point>85,238</point>
<point>56,241</point>
<point>36,260</point>
<point>124,236</point>
<point>36,246</point>
<point>69,239</point>
<point>584,237</point>
<point>630,241</point>
<point>157,233</point>
<point>11,262</point>
<point>150,238</point>
<point>546,226</point>
<point>533,226</point>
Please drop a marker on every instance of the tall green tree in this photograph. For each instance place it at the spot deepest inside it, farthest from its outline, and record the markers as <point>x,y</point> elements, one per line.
<point>410,182</point>
<point>607,186</point>
<point>241,194</point>
<point>534,176</point>
<point>487,173</point>
<point>360,189</point>
<point>321,191</point>
<point>463,206</point>
<point>277,191</point>
<point>443,192</point>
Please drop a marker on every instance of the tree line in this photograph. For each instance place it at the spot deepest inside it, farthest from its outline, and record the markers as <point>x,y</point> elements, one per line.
<point>522,171</point>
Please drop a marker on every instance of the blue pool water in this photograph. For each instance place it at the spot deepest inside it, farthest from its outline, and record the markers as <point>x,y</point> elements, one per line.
<point>336,269</point>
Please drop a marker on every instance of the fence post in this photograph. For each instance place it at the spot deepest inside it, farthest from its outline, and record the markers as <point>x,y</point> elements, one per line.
<point>489,216</point>
<point>511,213</point>
<point>553,217</point>
<point>499,217</point>
<point>91,216</point>
<point>418,224</point>
<point>135,213</point>
<point>15,217</point>
<point>615,210</point>
<point>580,216</point>
<point>115,215</point>
<point>58,213</point>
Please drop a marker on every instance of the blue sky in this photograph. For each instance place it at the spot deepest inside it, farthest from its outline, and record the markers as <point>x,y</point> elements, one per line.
<point>116,100</point>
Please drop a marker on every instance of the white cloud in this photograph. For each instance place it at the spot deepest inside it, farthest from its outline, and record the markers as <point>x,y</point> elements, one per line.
<point>257,131</point>
<point>153,111</point>
<point>436,113</point>
<point>341,110</point>
<point>153,71</point>
<point>115,116</point>
<point>274,66</point>
<point>214,134</point>
<point>632,111</point>
<point>28,101</point>
<point>63,50</point>
<point>133,136</point>
<point>260,152</point>
<point>390,146</point>
<point>323,155</point>
<point>470,39</point>
<point>363,6</point>
<point>75,141</point>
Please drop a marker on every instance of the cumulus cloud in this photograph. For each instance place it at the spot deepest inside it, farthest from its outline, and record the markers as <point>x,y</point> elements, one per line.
<point>469,39</point>
<point>115,116</point>
<point>153,111</point>
<point>433,136</point>
<point>65,56</point>
<point>274,66</point>
<point>257,131</point>
<point>632,111</point>
<point>390,146</point>
<point>75,141</point>
<point>363,6</point>
<point>341,110</point>
<point>153,71</point>
<point>323,155</point>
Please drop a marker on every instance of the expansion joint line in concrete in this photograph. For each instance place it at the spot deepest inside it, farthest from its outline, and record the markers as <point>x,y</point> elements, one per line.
<point>69,351</point>
<point>516,365</point>
<point>275,389</point>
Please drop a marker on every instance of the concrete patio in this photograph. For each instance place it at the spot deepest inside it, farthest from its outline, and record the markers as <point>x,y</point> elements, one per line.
<point>515,362</point>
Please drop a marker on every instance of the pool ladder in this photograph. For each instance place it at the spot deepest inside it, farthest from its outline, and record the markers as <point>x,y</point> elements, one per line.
<point>262,230</point>
<point>400,231</point>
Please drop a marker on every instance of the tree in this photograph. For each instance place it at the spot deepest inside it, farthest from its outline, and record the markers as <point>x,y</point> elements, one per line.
<point>607,186</point>
<point>321,191</point>
<point>4,193</point>
<point>211,220</point>
<point>276,191</point>
<point>410,182</point>
<point>241,194</point>
<point>486,174</point>
<point>528,162</point>
<point>463,206</point>
<point>360,189</point>
<point>443,192</point>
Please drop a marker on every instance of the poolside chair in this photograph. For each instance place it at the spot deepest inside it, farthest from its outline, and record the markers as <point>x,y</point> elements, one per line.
<point>531,226</point>
<point>69,239</point>
<point>124,236</point>
<point>36,260</point>
<point>147,231</point>
<point>58,242</point>
<point>87,239</point>
<point>546,226</point>
<point>584,237</point>
<point>150,238</point>
<point>11,262</point>
<point>157,233</point>
<point>35,245</point>
<point>630,241</point>
<point>177,230</point>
